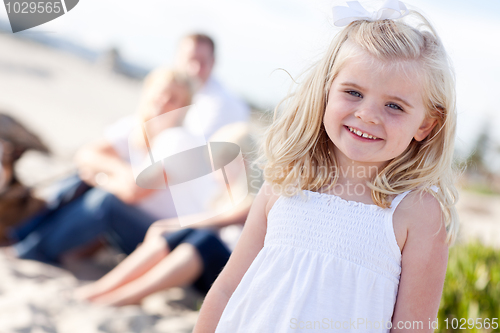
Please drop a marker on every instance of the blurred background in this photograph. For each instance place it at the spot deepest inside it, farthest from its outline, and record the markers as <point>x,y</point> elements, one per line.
<point>70,78</point>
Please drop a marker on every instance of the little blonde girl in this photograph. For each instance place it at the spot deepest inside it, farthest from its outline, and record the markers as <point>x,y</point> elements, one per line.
<point>351,229</point>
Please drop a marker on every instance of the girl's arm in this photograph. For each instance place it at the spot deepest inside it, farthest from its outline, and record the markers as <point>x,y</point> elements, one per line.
<point>423,267</point>
<point>249,245</point>
<point>100,156</point>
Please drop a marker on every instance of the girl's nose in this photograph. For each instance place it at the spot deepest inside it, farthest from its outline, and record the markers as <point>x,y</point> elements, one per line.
<point>368,113</point>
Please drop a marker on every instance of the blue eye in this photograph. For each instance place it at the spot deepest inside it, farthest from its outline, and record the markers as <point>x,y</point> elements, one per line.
<point>354,93</point>
<point>395,106</point>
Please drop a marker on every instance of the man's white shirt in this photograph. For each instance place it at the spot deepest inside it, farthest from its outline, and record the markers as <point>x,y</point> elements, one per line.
<point>214,107</point>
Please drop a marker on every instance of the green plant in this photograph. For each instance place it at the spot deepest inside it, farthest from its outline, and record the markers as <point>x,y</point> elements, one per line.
<point>471,289</point>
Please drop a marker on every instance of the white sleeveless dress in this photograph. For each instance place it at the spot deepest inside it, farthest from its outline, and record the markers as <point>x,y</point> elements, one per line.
<point>327,264</point>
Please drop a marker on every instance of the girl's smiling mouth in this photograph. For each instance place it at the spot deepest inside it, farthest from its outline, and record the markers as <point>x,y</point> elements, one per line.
<point>361,135</point>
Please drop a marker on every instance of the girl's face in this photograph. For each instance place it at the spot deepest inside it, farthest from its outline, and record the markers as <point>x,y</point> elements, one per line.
<point>372,115</point>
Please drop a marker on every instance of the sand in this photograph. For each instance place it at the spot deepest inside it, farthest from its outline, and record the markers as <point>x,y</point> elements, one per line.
<point>35,297</point>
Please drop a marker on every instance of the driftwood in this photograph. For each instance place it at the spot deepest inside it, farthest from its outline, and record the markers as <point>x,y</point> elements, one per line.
<point>17,202</point>
<point>16,205</point>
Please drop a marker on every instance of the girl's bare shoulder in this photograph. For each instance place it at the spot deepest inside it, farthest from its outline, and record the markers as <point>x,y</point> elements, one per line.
<point>421,208</point>
<point>268,196</point>
<point>419,215</point>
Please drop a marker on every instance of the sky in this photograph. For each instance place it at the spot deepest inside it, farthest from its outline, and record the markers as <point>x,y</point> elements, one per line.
<point>255,38</point>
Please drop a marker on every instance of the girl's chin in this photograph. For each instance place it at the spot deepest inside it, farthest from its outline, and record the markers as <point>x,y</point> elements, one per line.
<point>361,158</point>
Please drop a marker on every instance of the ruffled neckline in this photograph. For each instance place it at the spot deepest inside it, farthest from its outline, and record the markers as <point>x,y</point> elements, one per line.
<point>344,201</point>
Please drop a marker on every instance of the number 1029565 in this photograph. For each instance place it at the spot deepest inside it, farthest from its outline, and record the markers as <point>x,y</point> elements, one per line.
<point>31,7</point>
<point>470,323</point>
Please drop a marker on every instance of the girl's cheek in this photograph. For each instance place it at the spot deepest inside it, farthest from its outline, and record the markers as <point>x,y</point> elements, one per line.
<point>326,117</point>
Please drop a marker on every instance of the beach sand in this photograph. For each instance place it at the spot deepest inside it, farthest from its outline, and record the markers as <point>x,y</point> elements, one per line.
<point>35,297</point>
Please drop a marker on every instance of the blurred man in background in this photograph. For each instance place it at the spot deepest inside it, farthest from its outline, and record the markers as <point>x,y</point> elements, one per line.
<point>214,106</point>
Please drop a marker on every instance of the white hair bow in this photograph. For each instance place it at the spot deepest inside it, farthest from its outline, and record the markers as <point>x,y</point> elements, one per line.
<point>391,9</point>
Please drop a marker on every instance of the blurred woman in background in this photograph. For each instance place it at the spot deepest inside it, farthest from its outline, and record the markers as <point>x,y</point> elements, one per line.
<point>112,206</point>
<point>172,257</point>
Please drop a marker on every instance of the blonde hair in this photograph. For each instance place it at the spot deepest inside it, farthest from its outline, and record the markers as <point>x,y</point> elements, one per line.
<point>160,78</point>
<point>295,153</point>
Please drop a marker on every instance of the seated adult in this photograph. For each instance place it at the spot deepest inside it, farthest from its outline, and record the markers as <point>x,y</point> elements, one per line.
<point>114,208</point>
<point>214,105</point>
<point>172,256</point>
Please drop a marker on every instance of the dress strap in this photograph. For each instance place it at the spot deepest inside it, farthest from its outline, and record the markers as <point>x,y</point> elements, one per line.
<point>395,202</point>
<point>391,236</point>
<point>389,223</point>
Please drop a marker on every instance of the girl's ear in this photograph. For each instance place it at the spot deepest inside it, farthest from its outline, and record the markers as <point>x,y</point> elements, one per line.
<point>425,128</point>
